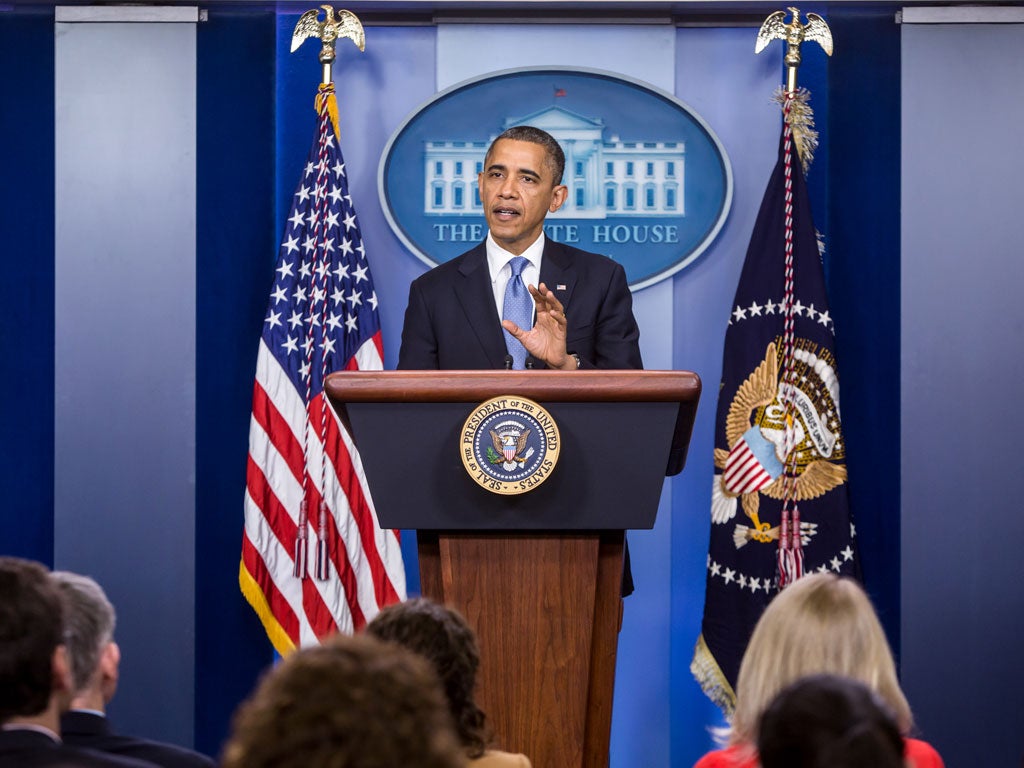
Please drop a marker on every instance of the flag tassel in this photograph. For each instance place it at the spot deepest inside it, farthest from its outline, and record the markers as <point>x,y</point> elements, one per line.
<point>301,543</point>
<point>321,543</point>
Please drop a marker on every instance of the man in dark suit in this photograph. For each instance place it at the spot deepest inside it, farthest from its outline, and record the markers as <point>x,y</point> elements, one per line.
<point>583,316</point>
<point>95,660</point>
<point>35,675</point>
<point>458,313</point>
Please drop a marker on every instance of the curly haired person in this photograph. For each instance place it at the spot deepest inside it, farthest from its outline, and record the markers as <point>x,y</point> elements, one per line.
<point>442,636</point>
<point>353,702</point>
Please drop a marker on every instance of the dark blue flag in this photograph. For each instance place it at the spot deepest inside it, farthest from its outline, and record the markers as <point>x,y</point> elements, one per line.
<point>779,505</point>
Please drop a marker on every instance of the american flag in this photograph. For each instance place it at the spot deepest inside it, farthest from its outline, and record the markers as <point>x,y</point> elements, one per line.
<point>314,560</point>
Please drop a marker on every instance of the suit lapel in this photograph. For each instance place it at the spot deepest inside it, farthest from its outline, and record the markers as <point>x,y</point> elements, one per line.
<point>558,273</point>
<point>476,296</point>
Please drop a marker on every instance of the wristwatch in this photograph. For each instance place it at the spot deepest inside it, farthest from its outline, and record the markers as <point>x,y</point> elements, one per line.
<point>576,357</point>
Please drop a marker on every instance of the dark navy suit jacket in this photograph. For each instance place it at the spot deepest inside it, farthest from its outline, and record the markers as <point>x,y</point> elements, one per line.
<point>86,729</point>
<point>451,322</point>
<point>26,748</point>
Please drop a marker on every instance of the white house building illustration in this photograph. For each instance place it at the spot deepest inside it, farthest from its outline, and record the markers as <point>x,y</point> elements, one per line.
<point>620,178</point>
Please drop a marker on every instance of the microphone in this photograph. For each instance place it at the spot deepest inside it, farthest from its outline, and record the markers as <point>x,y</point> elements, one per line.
<point>508,362</point>
<point>529,362</point>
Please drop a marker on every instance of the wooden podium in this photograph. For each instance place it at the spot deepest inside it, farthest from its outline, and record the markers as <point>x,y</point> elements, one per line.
<point>538,575</point>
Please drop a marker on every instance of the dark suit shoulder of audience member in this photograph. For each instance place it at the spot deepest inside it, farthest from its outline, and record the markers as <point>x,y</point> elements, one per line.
<point>93,731</point>
<point>32,748</point>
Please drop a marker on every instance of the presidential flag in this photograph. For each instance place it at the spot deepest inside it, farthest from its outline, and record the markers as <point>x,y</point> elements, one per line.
<point>779,505</point>
<point>314,560</point>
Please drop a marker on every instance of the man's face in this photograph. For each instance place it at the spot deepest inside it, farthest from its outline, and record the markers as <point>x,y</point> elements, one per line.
<point>517,192</point>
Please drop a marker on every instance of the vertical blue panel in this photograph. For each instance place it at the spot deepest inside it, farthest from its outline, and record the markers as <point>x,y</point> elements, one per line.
<point>26,330</point>
<point>962,374</point>
<point>125,348</point>
<point>718,74</point>
<point>863,274</point>
<point>236,244</point>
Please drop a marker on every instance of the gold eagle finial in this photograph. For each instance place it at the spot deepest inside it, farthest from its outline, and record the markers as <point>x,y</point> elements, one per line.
<point>794,33</point>
<point>345,24</point>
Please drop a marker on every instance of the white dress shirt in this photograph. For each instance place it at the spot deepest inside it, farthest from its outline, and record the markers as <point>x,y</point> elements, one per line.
<point>497,263</point>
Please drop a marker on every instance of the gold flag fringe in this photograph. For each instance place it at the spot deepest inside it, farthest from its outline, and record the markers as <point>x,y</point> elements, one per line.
<point>801,122</point>
<point>327,92</point>
<point>254,595</point>
<point>711,679</point>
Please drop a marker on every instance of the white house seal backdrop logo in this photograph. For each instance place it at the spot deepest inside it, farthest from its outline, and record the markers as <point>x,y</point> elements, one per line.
<point>649,183</point>
<point>509,444</point>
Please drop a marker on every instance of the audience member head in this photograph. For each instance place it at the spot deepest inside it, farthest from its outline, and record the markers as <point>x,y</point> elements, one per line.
<point>820,624</point>
<point>34,677</point>
<point>553,152</point>
<point>89,621</point>
<point>442,636</point>
<point>353,702</point>
<point>825,721</point>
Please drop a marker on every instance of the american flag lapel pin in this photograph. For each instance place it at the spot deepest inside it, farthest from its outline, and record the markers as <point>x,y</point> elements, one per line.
<point>560,287</point>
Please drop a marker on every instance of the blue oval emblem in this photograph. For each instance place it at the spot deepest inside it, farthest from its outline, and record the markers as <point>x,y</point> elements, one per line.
<point>649,182</point>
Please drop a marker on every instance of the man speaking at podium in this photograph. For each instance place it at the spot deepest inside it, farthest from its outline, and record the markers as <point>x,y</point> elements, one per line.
<point>519,300</point>
<point>488,309</point>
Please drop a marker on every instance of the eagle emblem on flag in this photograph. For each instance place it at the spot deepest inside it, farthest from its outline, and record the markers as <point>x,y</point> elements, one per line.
<point>755,429</point>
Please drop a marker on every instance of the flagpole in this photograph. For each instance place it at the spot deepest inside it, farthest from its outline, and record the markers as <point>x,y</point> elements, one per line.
<point>328,31</point>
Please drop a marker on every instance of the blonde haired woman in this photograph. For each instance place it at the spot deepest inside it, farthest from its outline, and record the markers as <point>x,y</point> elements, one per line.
<point>821,624</point>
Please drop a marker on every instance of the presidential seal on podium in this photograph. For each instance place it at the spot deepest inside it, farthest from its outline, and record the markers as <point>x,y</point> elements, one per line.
<point>509,444</point>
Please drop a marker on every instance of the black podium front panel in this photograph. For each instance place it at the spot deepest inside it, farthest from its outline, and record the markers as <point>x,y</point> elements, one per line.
<point>610,471</point>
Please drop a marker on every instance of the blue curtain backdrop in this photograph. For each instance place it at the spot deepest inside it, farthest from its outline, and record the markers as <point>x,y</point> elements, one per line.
<point>26,332</point>
<point>255,119</point>
<point>237,234</point>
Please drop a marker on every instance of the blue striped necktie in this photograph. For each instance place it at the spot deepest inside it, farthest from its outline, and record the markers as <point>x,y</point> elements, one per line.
<point>518,308</point>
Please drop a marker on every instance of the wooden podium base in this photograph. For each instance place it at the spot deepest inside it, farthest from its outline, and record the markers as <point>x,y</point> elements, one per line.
<point>547,609</point>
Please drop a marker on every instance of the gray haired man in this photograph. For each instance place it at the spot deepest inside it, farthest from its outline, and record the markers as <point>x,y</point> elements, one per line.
<point>95,658</point>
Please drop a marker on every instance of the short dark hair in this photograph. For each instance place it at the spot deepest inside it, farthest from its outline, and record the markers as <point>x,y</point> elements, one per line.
<point>353,702</point>
<point>89,620</point>
<point>31,628</point>
<point>828,721</point>
<point>442,636</point>
<point>553,151</point>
